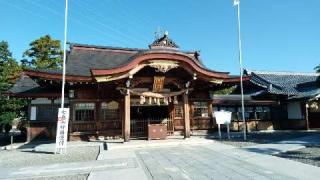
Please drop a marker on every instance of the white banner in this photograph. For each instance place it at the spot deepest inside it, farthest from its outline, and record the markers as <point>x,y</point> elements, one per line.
<point>62,129</point>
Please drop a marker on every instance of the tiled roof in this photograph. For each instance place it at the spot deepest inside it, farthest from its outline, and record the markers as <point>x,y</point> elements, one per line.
<point>26,85</point>
<point>81,61</point>
<point>82,58</point>
<point>287,83</point>
<point>23,84</point>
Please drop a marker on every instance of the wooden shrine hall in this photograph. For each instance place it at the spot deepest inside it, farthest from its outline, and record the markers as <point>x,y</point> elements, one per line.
<point>116,92</point>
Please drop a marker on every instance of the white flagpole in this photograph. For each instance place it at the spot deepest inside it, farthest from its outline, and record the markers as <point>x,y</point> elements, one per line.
<point>63,77</point>
<point>237,3</point>
<point>64,54</point>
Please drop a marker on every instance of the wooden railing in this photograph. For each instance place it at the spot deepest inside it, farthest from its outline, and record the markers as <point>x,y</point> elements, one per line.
<point>110,124</point>
<point>84,126</point>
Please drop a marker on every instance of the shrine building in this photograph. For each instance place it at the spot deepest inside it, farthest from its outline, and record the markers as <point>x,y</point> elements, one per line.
<point>117,92</point>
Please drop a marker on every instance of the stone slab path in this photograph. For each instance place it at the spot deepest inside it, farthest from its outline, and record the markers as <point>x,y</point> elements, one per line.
<point>204,161</point>
<point>64,169</point>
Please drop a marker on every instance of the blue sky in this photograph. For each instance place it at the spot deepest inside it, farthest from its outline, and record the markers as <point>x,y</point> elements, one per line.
<point>277,35</point>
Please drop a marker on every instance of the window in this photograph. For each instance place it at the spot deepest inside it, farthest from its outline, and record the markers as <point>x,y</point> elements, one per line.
<point>84,111</point>
<point>200,109</point>
<point>44,112</point>
<point>263,112</point>
<point>47,112</point>
<point>109,111</point>
<point>249,112</point>
<point>259,112</point>
<point>178,110</point>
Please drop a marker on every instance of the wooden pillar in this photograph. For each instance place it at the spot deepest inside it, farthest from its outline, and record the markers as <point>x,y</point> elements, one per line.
<point>307,116</point>
<point>71,119</point>
<point>98,110</point>
<point>126,124</point>
<point>186,115</point>
<point>97,116</point>
<point>29,138</point>
<point>210,111</point>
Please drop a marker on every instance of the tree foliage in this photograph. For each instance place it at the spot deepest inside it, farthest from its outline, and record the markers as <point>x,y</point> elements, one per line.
<point>225,91</point>
<point>44,53</point>
<point>317,68</point>
<point>9,72</point>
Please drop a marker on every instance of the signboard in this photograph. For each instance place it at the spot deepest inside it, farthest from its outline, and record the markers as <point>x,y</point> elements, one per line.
<point>158,83</point>
<point>223,117</point>
<point>62,130</point>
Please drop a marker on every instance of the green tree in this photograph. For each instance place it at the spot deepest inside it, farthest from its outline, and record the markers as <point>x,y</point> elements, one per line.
<point>317,68</point>
<point>44,53</point>
<point>9,72</point>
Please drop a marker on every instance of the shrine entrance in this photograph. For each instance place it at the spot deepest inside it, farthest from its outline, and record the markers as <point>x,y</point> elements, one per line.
<point>142,116</point>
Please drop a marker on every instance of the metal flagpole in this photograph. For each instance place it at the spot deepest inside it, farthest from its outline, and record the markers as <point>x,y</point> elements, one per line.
<point>64,54</point>
<point>61,133</point>
<point>237,3</point>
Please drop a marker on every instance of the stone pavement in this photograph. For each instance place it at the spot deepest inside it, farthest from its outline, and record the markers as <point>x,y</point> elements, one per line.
<point>283,146</point>
<point>120,173</point>
<point>171,141</point>
<point>195,158</point>
<point>206,160</point>
<point>64,169</point>
<point>200,163</point>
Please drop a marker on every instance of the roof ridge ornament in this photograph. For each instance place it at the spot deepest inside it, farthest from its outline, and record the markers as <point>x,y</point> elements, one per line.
<point>163,42</point>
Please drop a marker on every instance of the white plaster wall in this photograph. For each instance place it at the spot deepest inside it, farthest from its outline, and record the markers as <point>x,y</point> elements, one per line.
<point>294,110</point>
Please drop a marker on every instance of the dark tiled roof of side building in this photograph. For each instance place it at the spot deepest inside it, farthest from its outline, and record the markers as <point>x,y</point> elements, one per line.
<point>23,84</point>
<point>286,83</point>
<point>26,85</point>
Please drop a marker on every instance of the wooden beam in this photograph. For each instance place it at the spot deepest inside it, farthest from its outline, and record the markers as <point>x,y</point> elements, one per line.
<point>126,123</point>
<point>186,116</point>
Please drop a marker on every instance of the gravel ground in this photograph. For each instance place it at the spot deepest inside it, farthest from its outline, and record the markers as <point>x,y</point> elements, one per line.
<point>309,155</point>
<point>21,158</point>
<point>254,138</point>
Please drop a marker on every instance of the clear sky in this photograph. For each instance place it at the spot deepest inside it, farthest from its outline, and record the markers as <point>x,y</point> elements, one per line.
<point>277,35</point>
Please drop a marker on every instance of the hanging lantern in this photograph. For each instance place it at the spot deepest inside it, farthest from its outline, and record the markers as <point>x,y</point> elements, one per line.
<point>155,100</point>
<point>150,100</point>
<point>141,99</point>
<point>158,101</point>
<point>175,101</point>
<point>165,100</point>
